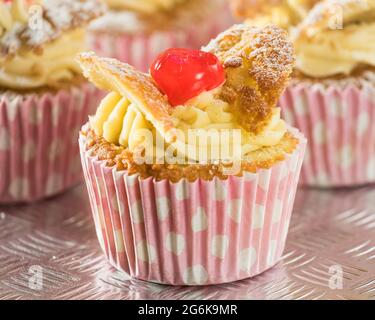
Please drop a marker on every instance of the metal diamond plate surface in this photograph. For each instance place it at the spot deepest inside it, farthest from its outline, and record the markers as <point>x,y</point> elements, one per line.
<point>330,254</point>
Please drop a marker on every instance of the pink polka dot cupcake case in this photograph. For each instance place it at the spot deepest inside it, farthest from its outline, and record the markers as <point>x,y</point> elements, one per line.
<point>337,120</point>
<point>44,100</point>
<point>192,233</point>
<point>39,155</point>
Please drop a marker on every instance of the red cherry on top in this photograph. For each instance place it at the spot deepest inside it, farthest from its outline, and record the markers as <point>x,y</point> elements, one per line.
<point>183,74</point>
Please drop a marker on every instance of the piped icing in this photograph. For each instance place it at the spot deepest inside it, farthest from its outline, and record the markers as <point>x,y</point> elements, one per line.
<point>121,122</point>
<point>11,14</point>
<point>39,41</point>
<point>337,37</point>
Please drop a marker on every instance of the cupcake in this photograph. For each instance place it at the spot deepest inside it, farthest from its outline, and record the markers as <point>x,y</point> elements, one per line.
<point>171,208</point>
<point>137,31</point>
<point>44,100</point>
<point>331,98</point>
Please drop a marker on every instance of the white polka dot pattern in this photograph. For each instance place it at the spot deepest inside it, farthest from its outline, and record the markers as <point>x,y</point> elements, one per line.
<point>197,237</point>
<point>28,151</point>
<point>54,184</point>
<point>56,114</point>
<point>249,177</point>
<point>234,210</point>
<point>146,252</point>
<point>345,157</point>
<point>35,142</point>
<point>55,149</point>
<point>12,108</point>
<point>131,180</point>
<point>337,108</point>
<point>137,212</point>
<point>363,123</point>
<point>339,124</point>
<point>322,179</point>
<point>163,208</point>
<point>35,116</point>
<point>196,275</point>
<point>119,241</point>
<point>19,188</point>
<point>320,133</point>
<point>264,180</point>
<point>277,211</point>
<point>301,106</point>
<point>271,253</point>
<point>175,243</point>
<point>182,191</point>
<point>258,216</point>
<point>247,258</point>
<point>219,246</point>
<point>117,205</point>
<point>199,221</point>
<point>283,171</point>
<point>220,191</point>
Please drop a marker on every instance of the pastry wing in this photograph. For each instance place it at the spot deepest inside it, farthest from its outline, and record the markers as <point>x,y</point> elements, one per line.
<point>139,88</point>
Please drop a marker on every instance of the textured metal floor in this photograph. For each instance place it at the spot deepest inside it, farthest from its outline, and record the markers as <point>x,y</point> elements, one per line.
<point>331,231</point>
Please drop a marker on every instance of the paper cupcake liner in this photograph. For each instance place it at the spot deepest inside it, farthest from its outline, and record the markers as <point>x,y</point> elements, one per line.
<point>339,123</point>
<point>192,233</point>
<point>39,153</point>
<point>140,50</point>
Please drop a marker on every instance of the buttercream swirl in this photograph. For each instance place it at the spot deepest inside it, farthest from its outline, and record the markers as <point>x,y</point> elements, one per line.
<point>337,52</point>
<point>331,37</point>
<point>46,57</point>
<point>12,14</point>
<point>337,37</point>
<point>55,66</point>
<point>121,122</point>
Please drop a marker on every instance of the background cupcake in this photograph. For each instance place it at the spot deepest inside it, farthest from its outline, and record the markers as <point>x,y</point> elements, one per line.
<point>331,98</point>
<point>193,223</point>
<point>43,98</point>
<point>283,13</point>
<point>136,31</point>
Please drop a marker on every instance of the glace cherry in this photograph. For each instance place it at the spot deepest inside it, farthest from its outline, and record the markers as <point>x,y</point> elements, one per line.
<point>182,74</point>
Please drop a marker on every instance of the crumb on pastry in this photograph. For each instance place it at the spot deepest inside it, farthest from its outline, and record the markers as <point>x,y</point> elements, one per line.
<point>258,62</point>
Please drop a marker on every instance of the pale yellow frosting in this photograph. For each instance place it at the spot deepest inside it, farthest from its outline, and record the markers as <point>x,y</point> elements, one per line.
<point>331,37</point>
<point>336,51</point>
<point>11,14</point>
<point>30,59</point>
<point>121,122</point>
<point>336,37</point>
<point>285,14</point>
<point>143,6</point>
<point>56,65</point>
